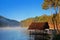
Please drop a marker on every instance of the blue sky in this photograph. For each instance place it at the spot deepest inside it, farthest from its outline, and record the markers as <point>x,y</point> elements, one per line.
<point>21,9</point>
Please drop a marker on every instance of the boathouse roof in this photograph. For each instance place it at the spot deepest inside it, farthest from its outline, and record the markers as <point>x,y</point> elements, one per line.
<point>38,26</point>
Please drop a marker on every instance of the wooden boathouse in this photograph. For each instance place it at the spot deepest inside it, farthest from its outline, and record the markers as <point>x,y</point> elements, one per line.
<point>37,30</point>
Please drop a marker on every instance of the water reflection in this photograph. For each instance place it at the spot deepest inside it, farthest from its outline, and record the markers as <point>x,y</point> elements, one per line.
<point>21,34</point>
<point>39,35</point>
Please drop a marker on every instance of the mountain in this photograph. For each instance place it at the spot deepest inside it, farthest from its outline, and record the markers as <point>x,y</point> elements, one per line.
<point>5,22</point>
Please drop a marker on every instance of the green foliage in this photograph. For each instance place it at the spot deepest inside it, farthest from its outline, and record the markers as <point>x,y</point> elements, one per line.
<point>43,18</point>
<point>27,22</point>
<point>57,37</point>
<point>51,3</point>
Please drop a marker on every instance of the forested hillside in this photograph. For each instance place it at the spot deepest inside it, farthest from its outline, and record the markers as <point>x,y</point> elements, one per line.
<point>42,18</point>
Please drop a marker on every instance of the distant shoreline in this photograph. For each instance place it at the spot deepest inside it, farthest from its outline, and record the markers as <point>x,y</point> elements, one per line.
<point>12,28</point>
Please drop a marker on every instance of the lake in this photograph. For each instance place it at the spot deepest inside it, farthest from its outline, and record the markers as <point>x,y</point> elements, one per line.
<point>14,34</point>
<point>17,33</point>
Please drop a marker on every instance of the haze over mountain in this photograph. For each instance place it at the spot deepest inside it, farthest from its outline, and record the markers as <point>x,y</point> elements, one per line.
<point>5,22</point>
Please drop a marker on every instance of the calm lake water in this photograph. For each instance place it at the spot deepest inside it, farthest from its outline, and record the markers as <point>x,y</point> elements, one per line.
<point>14,34</point>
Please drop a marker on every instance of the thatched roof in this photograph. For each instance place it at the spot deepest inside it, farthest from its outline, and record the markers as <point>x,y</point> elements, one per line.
<point>38,26</point>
